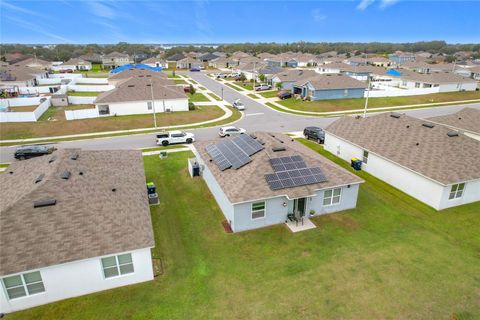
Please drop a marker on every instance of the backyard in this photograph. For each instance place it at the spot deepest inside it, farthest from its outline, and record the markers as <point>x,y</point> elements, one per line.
<point>351,104</point>
<point>390,258</point>
<point>83,93</point>
<point>60,126</point>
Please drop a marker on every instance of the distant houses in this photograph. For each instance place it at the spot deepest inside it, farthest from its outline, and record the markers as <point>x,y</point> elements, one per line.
<point>432,163</point>
<point>73,222</point>
<point>115,59</point>
<point>20,76</point>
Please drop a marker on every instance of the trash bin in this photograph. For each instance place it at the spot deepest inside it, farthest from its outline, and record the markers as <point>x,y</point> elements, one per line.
<point>151,188</point>
<point>153,198</point>
<point>356,164</point>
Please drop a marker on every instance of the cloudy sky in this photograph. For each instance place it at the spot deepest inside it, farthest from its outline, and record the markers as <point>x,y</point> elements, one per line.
<point>214,21</point>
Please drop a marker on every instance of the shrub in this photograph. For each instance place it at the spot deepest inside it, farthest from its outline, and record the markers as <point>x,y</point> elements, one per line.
<point>191,106</point>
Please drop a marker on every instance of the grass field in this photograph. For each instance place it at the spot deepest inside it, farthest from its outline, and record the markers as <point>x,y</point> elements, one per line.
<point>390,258</point>
<point>269,94</point>
<point>60,127</point>
<point>197,97</point>
<point>23,108</point>
<point>245,85</point>
<point>351,104</point>
<point>234,87</point>
<point>180,81</point>
<point>253,96</point>
<point>82,93</point>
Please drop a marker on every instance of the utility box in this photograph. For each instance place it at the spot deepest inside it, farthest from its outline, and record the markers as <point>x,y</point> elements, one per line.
<point>193,167</point>
<point>356,164</point>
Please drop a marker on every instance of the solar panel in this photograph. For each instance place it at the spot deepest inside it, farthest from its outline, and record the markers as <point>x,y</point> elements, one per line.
<point>292,172</point>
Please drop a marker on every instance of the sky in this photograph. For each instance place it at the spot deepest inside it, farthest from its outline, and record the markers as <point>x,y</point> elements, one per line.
<point>214,21</point>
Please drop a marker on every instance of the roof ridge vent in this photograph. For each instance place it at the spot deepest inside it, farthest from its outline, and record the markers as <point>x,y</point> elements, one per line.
<point>452,133</point>
<point>65,175</point>
<point>428,125</point>
<point>278,149</point>
<point>131,85</point>
<point>44,203</point>
<point>74,156</point>
<point>40,178</point>
<point>395,115</point>
<point>53,158</point>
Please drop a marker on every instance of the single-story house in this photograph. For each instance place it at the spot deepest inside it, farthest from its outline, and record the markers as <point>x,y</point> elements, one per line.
<point>74,64</point>
<point>379,62</point>
<point>418,66</point>
<point>223,63</point>
<point>401,57</point>
<point>207,57</point>
<point>329,86</point>
<point>119,77</point>
<point>288,77</point>
<point>432,163</point>
<point>142,95</point>
<point>475,73</point>
<point>172,60</point>
<point>445,81</point>
<point>20,76</point>
<point>356,61</point>
<point>253,70</point>
<point>116,59</point>
<point>237,55</point>
<point>306,60</point>
<point>73,222</point>
<point>359,72</point>
<point>36,63</point>
<point>260,180</point>
<point>466,121</point>
<point>188,63</point>
<point>155,62</point>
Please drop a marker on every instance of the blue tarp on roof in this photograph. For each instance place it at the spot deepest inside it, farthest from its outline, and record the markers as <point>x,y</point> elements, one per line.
<point>393,72</point>
<point>137,66</point>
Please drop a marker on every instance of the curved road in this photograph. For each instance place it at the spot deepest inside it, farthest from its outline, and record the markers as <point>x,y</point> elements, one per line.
<point>256,117</point>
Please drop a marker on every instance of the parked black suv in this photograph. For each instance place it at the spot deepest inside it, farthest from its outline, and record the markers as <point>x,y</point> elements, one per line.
<point>26,152</point>
<point>284,95</point>
<point>314,133</point>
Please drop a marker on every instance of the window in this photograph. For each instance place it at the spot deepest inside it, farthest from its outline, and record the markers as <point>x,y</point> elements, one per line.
<point>103,109</point>
<point>404,83</point>
<point>149,105</point>
<point>23,285</point>
<point>345,92</point>
<point>331,196</point>
<point>365,156</point>
<point>117,265</point>
<point>417,84</point>
<point>258,210</point>
<point>456,191</point>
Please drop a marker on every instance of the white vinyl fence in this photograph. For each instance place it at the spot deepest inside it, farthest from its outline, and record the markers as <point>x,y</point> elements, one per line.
<point>49,81</point>
<point>30,116</point>
<point>92,88</point>
<point>65,75</point>
<point>387,91</point>
<point>81,100</point>
<point>91,80</point>
<point>81,114</point>
<point>35,90</point>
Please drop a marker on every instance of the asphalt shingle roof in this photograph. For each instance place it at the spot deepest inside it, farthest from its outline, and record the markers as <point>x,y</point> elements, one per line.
<point>466,119</point>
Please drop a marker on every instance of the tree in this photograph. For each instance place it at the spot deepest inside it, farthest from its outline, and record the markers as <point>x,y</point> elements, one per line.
<point>279,85</point>
<point>261,77</point>
<point>449,59</point>
<point>242,77</point>
<point>192,89</point>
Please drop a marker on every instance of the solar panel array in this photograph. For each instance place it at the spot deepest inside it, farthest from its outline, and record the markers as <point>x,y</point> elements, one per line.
<point>292,172</point>
<point>234,153</point>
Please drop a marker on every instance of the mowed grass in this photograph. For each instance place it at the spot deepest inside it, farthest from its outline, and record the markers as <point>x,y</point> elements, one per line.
<point>245,85</point>
<point>197,97</point>
<point>42,128</point>
<point>269,94</point>
<point>83,93</point>
<point>351,104</point>
<point>390,258</point>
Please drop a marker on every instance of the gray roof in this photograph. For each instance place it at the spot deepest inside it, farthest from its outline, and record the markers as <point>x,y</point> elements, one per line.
<point>433,77</point>
<point>77,61</point>
<point>248,182</point>
<point>88,219</point>
<point>18,73</point>
<point>140,89</point>
<point>467,119</point>
<point>116,54</point>
<point>331,81</point>
<point>405,141</point>
<point>136,72</point>
<point>295,75</point>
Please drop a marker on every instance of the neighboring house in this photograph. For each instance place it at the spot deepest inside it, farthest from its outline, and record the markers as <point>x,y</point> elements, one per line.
<point>444,81</point>
<point>358,72</point>
<point>252,70</point>
<point>93,58</point>
<point>475,73</point>
<point>237,55</point>
<point>74,64</point>
<point>116,78</point>
<point>419,66</point>
<point>263,186</point>
<point>306,60</point>
<point>155,62</point>
<point>207,57</point>
<point>329,86</point>
<point>266,55</point>
<point>356,61</point>
<point>223,63</point>
<point>379,62</point>
<point>36,63</point>
<point>142,95</point>
<point>288,77</point>
<point>188,63</point>
<point>401,57</point>
<point>115,59</point>
<point>172,60</point>
<point>20,76</point>
<point>432,163</point>
<point>72,223</point>
<point>466,121</point>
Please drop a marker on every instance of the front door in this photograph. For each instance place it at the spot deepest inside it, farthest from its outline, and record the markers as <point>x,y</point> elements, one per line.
<point>299,206</point>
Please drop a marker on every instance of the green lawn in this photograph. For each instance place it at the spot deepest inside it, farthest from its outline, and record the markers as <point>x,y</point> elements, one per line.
<point>197,97</point>
<point>245,85</point>
<point>269,94</point>
<point>234,87</point>
<point>214,96</point>
<point>253,96</point>
<point>390,258</point>
<point>350,104</point>
<point>180,81</point>
<point>82,93</point>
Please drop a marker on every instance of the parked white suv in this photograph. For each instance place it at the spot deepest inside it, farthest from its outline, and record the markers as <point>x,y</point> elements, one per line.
<point>230,131</point>
<point>172,137</point>
<point>263,86</point>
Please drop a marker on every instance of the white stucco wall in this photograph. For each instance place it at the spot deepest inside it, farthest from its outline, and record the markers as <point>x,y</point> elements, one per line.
<point>140,107</point>
<point>422,188</point>
<point>78,278</point>
<point>466,86</point>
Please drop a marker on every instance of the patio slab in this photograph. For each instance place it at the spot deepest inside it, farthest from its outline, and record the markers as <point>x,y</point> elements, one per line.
<point>297,227</point>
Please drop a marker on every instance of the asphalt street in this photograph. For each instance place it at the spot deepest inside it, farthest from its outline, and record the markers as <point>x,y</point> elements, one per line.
<point>257,117</point>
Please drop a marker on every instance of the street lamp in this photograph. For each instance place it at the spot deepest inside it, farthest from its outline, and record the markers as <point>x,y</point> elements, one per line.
<point>366,100</point>
<point>222,92</point>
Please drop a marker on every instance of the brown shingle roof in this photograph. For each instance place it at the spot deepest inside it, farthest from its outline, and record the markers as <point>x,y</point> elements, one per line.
<point>88,220</point>
<point>248,182</point>
<point>332,81</point>
<point>295,74</point>
<point>467,119</point>
<point>135,72</point>
<point>21,73</point>
<point>140,89</point>
<point>437,156</point>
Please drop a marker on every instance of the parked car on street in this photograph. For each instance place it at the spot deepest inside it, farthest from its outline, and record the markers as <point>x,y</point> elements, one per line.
<point>230,131</point>
<point>237,104</point>
<point>195,69</point>
<point>173,137</point>
<point>314,133</point>
<point>284,95</point>
<point>220,76</point>
<point>27,152</point>
<point>263,86</point>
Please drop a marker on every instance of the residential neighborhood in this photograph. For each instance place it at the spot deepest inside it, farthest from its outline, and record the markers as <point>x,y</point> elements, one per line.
<point>216,165</point>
